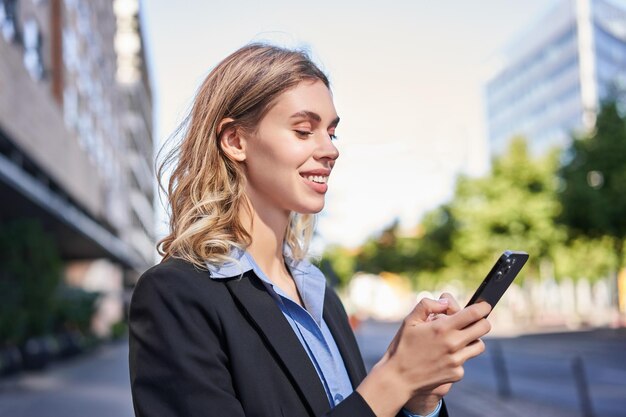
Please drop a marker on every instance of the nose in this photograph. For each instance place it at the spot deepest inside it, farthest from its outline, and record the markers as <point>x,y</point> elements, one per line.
<point>326,149</point>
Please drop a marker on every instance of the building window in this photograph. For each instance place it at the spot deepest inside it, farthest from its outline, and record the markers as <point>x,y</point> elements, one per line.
<point>32,49</point>
<point>8,19</point>
<point>70,50</point>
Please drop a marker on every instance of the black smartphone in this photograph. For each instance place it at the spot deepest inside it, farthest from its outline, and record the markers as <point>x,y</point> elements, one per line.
<point>499,278</point>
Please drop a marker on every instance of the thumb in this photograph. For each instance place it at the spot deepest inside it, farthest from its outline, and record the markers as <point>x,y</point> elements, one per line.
<point>427,306</point>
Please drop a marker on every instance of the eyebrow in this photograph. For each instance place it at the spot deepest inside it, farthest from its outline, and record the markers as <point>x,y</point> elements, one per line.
<point>312,115</point>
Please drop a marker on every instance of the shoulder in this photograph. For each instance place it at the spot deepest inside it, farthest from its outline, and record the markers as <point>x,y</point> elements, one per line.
<point>175,303</point>
<point>173,267</point>
<point>176,278</point>
<point>172,271</point>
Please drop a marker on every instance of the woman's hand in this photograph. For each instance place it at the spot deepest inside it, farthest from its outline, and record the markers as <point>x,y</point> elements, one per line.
<point>425,402</point>
<point>425,355</point>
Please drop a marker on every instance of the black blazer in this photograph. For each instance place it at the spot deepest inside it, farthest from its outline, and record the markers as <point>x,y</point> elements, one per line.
<point>204,347</point>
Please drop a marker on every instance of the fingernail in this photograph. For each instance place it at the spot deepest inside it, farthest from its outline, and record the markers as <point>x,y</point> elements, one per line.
<point>443,301</point>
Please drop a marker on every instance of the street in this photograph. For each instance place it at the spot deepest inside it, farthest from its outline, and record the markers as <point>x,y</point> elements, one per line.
<point>540,369</point>
<point>94,385</point>
<point>539,366</point>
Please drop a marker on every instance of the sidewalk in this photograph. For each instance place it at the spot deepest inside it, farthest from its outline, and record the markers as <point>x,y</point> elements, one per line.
<point>94,385</point>
<point>466,400</point>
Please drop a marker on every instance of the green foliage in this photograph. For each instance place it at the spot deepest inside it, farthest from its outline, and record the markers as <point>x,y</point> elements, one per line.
<point>584,257</point>
<point>338,262</point>
<point>29,273</point>
<point>514,207</point>
<point>437,230</point>
<point>594,179</point>
<point>380,253</point>
<point>119,330</point>
<point>74,308</point>
<point>518,205</point>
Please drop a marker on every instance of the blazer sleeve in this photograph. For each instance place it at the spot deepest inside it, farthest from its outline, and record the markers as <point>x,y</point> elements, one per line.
<point>177,367</point>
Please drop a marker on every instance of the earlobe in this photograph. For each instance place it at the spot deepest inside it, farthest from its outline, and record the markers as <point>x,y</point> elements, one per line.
<point>231,142</point>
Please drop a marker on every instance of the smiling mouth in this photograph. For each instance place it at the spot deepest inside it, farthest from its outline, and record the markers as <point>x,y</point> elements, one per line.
<point>320,179</point>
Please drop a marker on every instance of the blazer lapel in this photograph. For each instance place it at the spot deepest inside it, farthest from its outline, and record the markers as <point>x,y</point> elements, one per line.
<point>345,342</point>
<point>264,313</point>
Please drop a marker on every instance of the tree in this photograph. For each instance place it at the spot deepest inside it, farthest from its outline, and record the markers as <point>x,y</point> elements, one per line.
<point>30,271</point>
<point>379,253</point>
<point>594,181</point>
<point>594,192</point>
<point>514,207</point>
<point>435,240</point>
<point>338,264</point>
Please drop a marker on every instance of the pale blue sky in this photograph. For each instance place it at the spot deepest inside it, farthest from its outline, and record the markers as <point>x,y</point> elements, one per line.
<point>407,78</point>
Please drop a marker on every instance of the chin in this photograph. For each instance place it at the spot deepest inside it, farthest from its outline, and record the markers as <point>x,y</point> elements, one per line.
<point>311,208</point>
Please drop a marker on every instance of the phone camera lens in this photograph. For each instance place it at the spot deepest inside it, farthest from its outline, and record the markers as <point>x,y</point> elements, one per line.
<point>499,275</point>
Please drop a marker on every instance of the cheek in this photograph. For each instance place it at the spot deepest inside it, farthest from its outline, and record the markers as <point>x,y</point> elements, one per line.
<point>286,155</point>
<point>270,167</point>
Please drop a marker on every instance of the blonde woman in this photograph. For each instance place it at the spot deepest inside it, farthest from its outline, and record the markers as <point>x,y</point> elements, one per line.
<point>235,321</point>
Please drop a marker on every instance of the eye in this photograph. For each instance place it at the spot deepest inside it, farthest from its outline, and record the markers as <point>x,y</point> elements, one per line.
<point>333,136</point>
<point>303,133</point>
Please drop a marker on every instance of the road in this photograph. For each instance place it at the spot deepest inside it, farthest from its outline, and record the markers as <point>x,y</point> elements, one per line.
<point>540,370</point>
<point>539,366</point>
<point>94,385</point>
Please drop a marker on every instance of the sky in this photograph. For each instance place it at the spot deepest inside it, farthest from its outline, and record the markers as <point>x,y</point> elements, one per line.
<point>407,78</point>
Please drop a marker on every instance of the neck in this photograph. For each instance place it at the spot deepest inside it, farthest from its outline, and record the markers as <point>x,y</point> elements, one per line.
<point>267,229</point>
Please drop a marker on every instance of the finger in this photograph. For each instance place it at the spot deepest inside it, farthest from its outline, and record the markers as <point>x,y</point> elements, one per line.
<point>471,351</point>
<point>453,306</point>
<point>426,307</point>
<point>473,332</point>
<point>469,315</point>
<point>442,390</point>
<point>435,316</point>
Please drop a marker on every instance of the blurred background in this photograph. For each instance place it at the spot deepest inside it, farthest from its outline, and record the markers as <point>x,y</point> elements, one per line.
<point>467,128</point>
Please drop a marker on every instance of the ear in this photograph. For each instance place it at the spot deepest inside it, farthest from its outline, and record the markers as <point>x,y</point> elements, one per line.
<point>231,142</point>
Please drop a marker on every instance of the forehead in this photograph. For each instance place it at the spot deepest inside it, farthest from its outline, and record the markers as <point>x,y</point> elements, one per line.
<point>311,96</point>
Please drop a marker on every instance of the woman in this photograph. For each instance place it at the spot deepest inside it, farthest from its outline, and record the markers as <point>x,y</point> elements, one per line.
<point>234,321</point>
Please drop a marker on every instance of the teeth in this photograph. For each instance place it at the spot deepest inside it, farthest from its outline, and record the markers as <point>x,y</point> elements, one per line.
<point>317,178</point>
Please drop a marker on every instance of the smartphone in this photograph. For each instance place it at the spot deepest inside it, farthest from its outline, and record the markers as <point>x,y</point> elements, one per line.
<point>499,278</point>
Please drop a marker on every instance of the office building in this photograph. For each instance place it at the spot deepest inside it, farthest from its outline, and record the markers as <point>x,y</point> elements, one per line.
<point>547,83</point>
<point>76,143</point>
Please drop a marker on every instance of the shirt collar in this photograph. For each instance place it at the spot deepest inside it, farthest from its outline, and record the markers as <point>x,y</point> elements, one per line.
<point>309,280</point>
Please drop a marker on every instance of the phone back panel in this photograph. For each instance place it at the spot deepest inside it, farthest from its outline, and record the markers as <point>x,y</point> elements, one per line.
<point>500,277</point>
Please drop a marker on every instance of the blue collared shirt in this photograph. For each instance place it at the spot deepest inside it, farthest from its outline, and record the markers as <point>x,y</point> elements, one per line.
<point>307,323</point>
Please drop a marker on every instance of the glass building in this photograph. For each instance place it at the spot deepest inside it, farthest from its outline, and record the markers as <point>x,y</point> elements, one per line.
<point>76,138</point>
<point>547,83</point>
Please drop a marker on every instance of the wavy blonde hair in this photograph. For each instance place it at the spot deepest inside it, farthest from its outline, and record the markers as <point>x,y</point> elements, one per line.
<point>205,191</point>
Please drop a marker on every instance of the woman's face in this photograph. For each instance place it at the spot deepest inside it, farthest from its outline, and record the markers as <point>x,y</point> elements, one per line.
<point>291,155</point>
